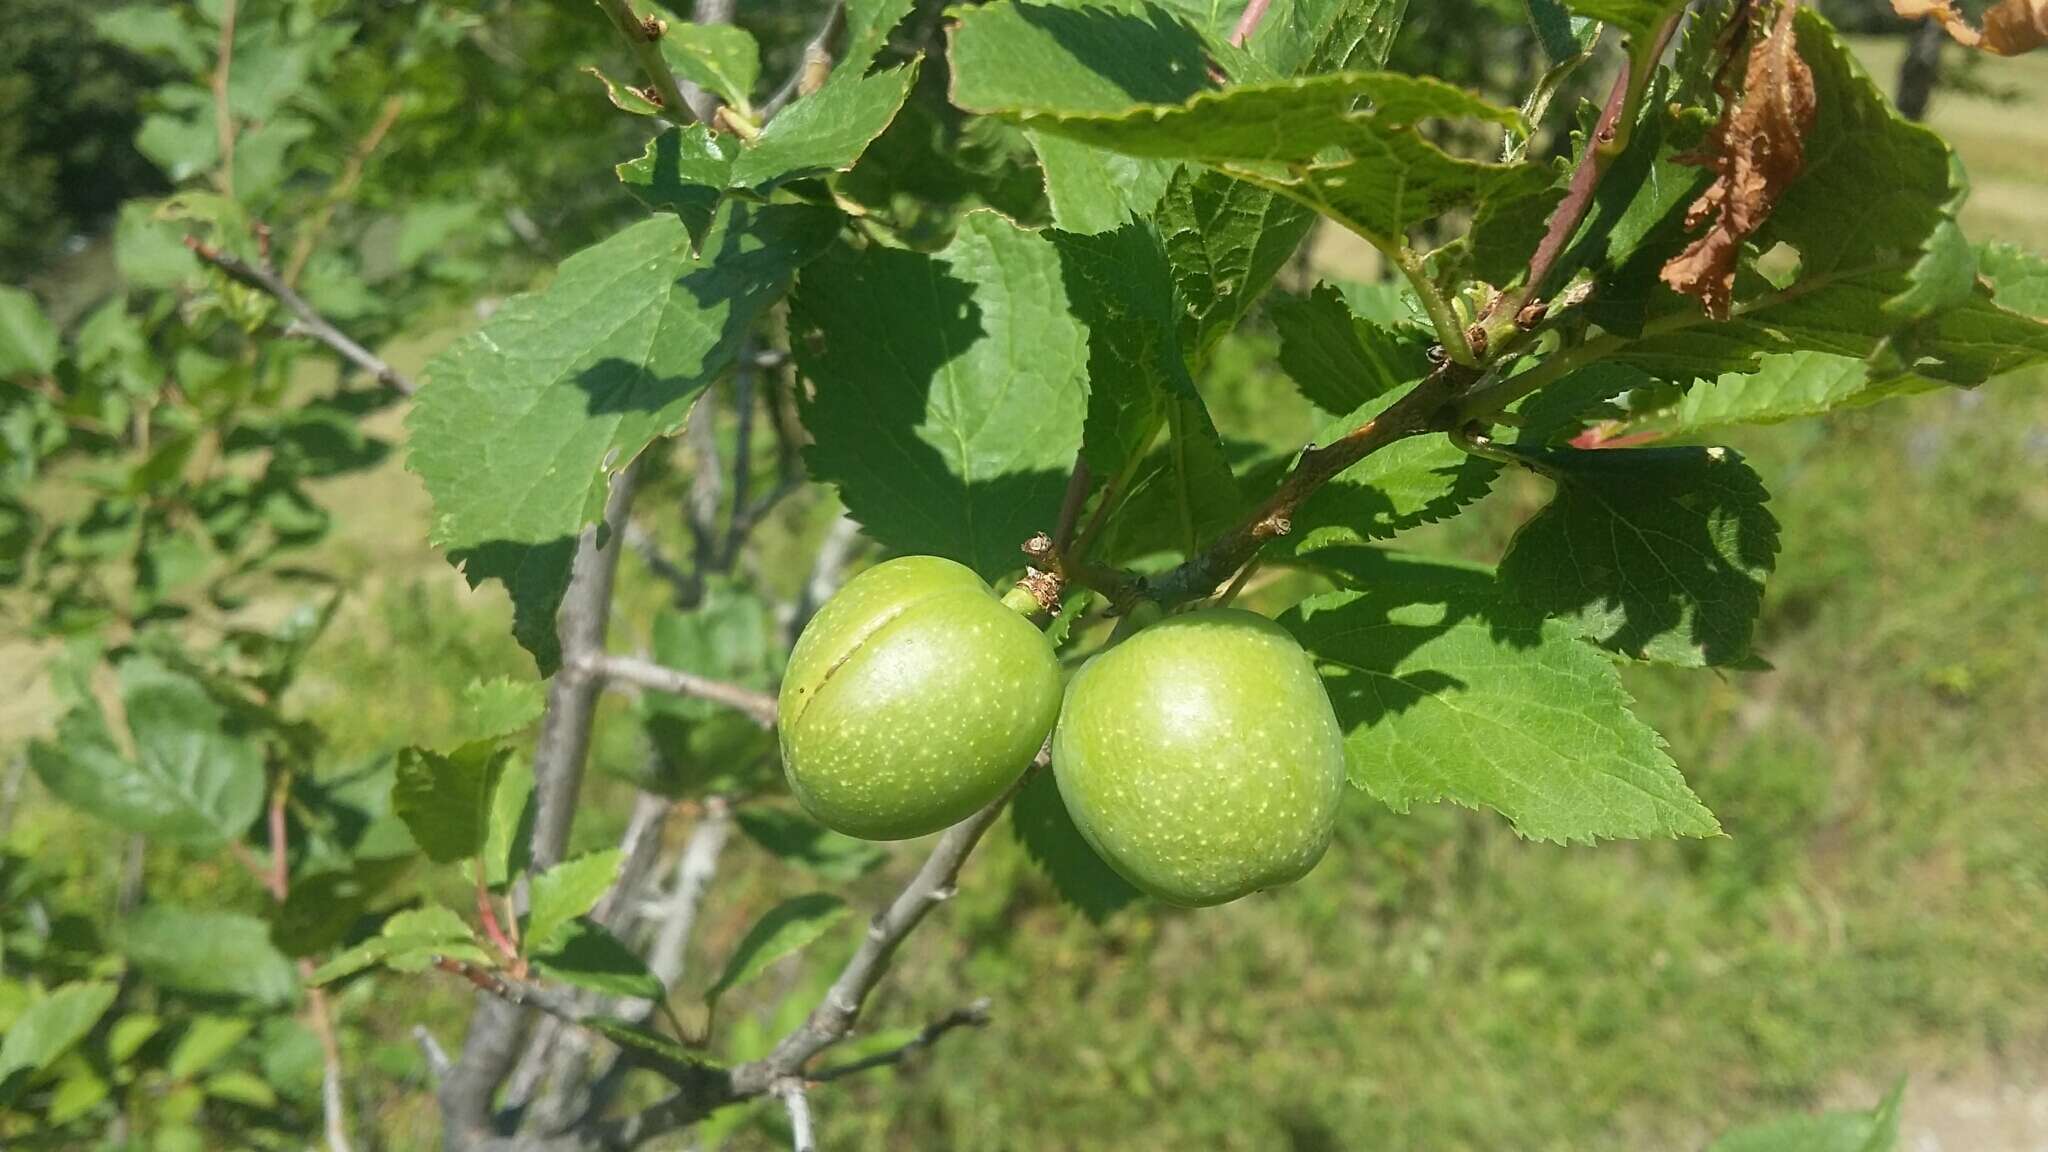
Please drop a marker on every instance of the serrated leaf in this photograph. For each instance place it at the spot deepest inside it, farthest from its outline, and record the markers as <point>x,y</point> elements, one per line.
<point>589,956</point>
<point>1873,1131</point>
<point>209,953</point>
<point>1410,482</point>
<point>1385,177</point>
<point>1446,691</point>
<point>1226,240</point>
<point>508,844</point>
<point>1784,387</point>
<point>501,706</point>
<point>1039,819</point>
<point>783,930</point>
<point>1120,286</point>
<point>868,24</point>
<point>445,799</point>
<point>52,1024</point>
<point>565,892</point>
<point>322,907</point>
<point>1307,37</point>
<point>191,781</point>
<point>794,838</point>
<point>1657,553</point>
<point>721,58</point>
<point>940,433</point>
<point>520,425</point>
<point>824,132</point>
<point>625,97</point>
<point>1182,495</point>
<point>1340,360</point>
<point>2019,277</point>
<point>1637,18</point>
<point>685,171</point>
<point>28,341</point>
<point>1092,190</point>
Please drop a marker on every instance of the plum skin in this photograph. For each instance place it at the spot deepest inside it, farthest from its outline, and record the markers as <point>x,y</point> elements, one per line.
<point>1201,757</point>
<point>913,698</point>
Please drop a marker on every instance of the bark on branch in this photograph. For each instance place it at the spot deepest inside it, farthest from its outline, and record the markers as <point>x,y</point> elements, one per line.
<point>756,706</point>
<point>309,320</point>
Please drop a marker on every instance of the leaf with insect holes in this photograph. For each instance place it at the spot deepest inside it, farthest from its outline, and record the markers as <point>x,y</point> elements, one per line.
<point>521,425</point>
<point>566,891</point>
<point>1074,79</point>
<point>1657,553</point>
<point>191,781</point>
<point>1039,819</point>
<point>940,435</point>
<point>445,799</point>
<point>1447,690</point>
<point>783,930</point>
<point>51,1024</point>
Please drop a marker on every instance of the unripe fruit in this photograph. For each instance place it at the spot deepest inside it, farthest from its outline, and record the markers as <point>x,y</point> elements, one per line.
<point>913,698</point>
<point>1201,757</point>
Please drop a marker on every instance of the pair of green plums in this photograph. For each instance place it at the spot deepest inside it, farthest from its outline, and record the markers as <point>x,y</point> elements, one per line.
<point>1200,757</point>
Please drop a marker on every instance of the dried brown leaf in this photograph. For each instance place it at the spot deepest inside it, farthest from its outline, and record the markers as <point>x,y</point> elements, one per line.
<point>2011,27</point>
<point>1756,150</point>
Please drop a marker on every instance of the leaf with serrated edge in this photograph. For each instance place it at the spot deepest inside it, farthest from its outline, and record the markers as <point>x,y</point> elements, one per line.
<point>823,132</point>
<point>941,434</point>
<point>783,930</point>
<point>1414,481</point>
<point>1657,553</point>
<point>722,58</point>
<point>520,425</point>
<point>445,800</point>
<point>1339,360</point>
<point>587,955</point>
<point>566,891</point>
<point>1447,692</point>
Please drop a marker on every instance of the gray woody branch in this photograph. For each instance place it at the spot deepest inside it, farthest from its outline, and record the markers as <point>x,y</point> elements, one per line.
<point>309,320</point>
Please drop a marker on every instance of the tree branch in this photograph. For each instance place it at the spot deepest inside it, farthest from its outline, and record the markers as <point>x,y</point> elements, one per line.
<point>757,706</point>
<point>801,1138</point>
<point>263,279</point>
<point>643,38</point>
<point>975,1015</point>
<point>495,1030</point>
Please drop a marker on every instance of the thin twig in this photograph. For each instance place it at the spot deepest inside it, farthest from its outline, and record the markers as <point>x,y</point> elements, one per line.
<point>351,174</point>
<point>223,114</point>
<point>975,1015</point>
<point>755,705</point>
<point>801,1138</point>
<point>435,1055</point>
<point>1078,483</point>
<point>310,320</point>
<point>815,60</point>
<point>333,1102</point>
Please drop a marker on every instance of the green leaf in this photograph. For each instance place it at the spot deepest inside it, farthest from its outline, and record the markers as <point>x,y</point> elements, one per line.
<point>1181,495</point>
<point>28,341</point>
<point>588,956</point>
<point>52,1025</point>
<point>566,891</point>
<point>209,953</point>
<point>720,58</point>
<point>322,907</point>
<point>408,942</point>
<point>2019,276</point>
<point>1340,360</point>
<point>785,929</point>
<point>205,1041</point>
<point>153,30</point>
<point>520,426</point>
<point>1308,37</point>
<point>190,782</point>
<point>1410,482</point>
<point>1226,239</point>
<point>868,24</point>
<point>940,434</point>
<point>641,1044</point>
<point>1091,190</point>
<point>1039,819</point>
<point>824,132</point>
<point>1637,18</point>
<point>501,706</point>
<point>624,97</point>
<point>684,171</point>
<point>1784,387</point>
<point>1121,287</point>
<point>244,1088</point>
<point>1080,83</point>
<point>445,800</point>
<point>1657,553</point>
<point>794,838</point>
<point>1446,691</point>
<point>508,844</point>
<point>1874,1131</point>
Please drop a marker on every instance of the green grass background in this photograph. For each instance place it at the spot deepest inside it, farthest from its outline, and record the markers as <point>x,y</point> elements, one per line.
<point>1878,908</point>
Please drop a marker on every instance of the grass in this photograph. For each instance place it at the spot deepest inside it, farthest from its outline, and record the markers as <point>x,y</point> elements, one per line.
<point>1879,906</point>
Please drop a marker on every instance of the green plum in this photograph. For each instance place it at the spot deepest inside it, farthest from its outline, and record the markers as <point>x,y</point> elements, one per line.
<point>1201,757</point>
<point>913,698</point>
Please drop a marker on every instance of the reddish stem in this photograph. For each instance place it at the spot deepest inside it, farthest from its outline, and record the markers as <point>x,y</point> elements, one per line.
<point>1249,22</point>
<point>488,915</point>
<point>280,872</point>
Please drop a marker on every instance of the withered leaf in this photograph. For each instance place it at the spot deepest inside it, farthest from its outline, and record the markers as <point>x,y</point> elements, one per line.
<point>2011,27</point>
<point>1756,150</point>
